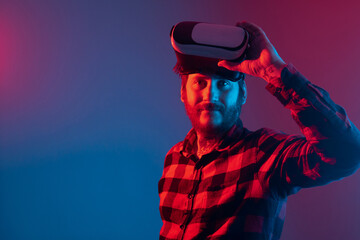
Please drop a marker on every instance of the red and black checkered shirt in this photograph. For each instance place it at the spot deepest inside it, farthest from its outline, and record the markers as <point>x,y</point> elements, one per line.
<point>239,190</point>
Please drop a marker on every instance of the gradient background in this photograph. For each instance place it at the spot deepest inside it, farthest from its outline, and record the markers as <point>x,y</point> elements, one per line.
<point>89,106</point>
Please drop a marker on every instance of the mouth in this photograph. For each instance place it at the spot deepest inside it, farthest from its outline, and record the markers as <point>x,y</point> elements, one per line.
<point>210,107</point>
<point>209,110</point>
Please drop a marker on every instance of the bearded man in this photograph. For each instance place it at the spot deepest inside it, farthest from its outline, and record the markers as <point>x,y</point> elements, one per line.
<point>224,181</point>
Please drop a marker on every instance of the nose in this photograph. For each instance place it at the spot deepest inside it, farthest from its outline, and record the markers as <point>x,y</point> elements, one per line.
<point>211,91</point>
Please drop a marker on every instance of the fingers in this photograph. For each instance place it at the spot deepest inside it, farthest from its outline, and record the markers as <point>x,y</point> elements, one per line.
<point>252,29</point>
<point>232,66</point>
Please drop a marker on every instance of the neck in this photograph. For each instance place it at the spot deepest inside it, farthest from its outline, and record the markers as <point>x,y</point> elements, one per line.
<point>205,144</point>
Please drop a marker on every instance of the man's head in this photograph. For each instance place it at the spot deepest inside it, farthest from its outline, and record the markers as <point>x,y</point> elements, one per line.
<point>212,102</point>
<point>212,95</point>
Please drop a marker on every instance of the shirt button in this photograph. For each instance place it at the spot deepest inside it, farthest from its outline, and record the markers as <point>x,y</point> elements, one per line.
<point>182,226</point>
<point>190,196</point>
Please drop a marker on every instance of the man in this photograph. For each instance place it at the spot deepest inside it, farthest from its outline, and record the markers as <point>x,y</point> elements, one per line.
<point>226,182</point>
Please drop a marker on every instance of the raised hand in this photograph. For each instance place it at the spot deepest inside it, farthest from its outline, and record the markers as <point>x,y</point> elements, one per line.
<point>261,60</point>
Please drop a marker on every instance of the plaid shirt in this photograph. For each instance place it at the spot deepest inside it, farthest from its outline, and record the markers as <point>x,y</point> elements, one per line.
<point>239,190</point>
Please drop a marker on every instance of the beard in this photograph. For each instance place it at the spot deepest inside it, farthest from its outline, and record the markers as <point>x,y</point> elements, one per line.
<point>221,118</point>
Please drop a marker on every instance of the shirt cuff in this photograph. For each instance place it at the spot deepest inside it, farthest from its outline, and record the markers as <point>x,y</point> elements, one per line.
<point>285,87</point>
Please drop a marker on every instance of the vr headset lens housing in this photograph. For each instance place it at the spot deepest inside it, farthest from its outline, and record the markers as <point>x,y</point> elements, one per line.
<point>200,46</point>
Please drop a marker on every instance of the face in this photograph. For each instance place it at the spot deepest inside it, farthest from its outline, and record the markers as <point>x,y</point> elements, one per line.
<point>212,103</point>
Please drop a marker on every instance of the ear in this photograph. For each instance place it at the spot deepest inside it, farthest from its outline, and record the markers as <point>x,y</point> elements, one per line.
<point>182,94</point>
<point>243,90</point>
<point>183,87</point>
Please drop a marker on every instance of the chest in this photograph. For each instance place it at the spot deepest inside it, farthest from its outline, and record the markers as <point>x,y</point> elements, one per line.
<point>219,180</point>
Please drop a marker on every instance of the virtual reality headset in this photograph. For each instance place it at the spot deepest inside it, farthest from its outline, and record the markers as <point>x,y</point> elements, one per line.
<point>199,47</point>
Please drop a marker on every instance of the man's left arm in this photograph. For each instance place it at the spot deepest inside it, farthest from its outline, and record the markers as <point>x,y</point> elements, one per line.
<point>325,124</point>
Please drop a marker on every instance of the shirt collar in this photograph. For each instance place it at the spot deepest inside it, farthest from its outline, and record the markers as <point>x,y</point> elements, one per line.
<point>232,136</point>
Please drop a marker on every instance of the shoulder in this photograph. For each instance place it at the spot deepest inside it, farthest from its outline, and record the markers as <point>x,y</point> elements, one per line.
<point>176,148</point>
<point>268,132</point>
<point>174,154</point>
<point>262,134</point>
<point>271,137</point>
<point>185,144</point>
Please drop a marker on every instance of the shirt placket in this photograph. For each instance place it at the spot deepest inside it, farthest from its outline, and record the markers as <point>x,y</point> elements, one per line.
<point>189,202</point>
